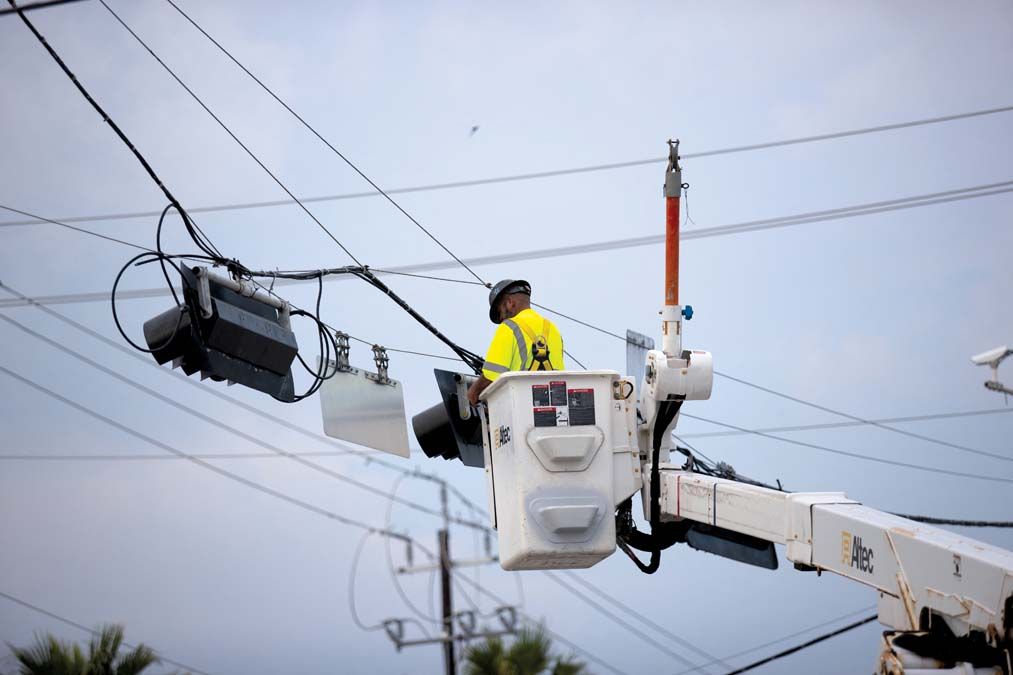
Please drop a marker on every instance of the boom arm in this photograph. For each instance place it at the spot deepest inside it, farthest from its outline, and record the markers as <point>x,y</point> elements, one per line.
<point>921,572</point>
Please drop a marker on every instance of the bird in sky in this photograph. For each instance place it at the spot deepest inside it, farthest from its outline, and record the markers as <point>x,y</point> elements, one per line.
<point>474,130</point>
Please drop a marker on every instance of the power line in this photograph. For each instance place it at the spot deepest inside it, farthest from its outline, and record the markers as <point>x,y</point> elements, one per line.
<point>202,242</point>
<point>538,174</point>
<point>35,5</point>
<point>854,455</point>
<point>660,646</point>
<point>80,229</point>
<point>199,462</point>
<point>857,210</point>
<point>862,420</point>
<point>930,520</point>
<point>225,427</point>
<point>367,456</point>
<point>615,602</point>
<point>839,425</point>
<point>75,624</point>
<point>229,132</point>
<point>804,645</point>
<point>337,152</point>
<point>788,637</point>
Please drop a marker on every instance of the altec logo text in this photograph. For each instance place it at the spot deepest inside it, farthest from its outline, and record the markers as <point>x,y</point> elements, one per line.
<point>853,553</point>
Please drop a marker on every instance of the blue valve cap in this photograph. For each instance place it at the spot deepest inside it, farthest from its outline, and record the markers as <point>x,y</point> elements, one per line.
<point>687,312</point>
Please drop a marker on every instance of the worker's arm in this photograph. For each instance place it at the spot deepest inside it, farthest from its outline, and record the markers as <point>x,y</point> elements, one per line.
<point>476,389</point>
<point>502,353</point>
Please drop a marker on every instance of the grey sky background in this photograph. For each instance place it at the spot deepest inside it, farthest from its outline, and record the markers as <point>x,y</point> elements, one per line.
<point>876,316</point>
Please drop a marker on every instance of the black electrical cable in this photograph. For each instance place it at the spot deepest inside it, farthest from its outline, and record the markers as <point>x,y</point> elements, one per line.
<point>804,645</point>
<point>324,141</point>
<point>161,257</point>
<point>202,243</point>
<point>667,410</point>
<point>930,520</point>
<point>227,129</point>
<point>472,360</point>
<point>35,5</point>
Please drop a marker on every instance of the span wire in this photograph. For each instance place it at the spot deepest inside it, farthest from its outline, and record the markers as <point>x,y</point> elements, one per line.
<point>229,132</point>
<point>333,149</point>
<point>202,242</point>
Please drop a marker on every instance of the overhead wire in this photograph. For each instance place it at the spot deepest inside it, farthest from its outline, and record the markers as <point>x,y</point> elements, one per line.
<point>770,643</point>
<point>741,429</point>
<point>640,634</point>
<point>840,425</point>
<point>856,455</point>
<point>220,424</point>
<point>312,130</point>
<point>862,420</point>
<point>544,174</point>
<point>41,4</point>
<point>80,626</point>
<point>628,242</point>
<point>274,419</point>
<point>198,237</point>
<point>932,520</point>
<point>228,131</point>
<point>804,645</point>
<point>199,462</point>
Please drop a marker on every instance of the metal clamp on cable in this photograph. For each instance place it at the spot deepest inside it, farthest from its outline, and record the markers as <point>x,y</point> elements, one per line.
<point>381,360</point>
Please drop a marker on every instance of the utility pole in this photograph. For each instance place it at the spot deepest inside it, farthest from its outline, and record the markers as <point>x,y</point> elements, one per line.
<point>449,665</point>
<point>463,625</point>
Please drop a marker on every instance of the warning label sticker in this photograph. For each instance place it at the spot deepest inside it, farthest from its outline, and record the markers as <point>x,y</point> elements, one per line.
<point>540,395</point>
<point>545,417</point>
<point>557,393</point>
<point>581,404</point>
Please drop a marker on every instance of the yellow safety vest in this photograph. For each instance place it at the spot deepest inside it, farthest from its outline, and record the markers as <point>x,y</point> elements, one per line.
<point>527,341</point>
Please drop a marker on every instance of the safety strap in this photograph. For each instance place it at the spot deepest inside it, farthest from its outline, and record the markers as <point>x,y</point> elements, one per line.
<point>539,346</point>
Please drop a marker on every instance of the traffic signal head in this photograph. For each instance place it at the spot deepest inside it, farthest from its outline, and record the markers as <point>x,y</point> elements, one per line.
<point>451,429</point>
<point>226,335</point>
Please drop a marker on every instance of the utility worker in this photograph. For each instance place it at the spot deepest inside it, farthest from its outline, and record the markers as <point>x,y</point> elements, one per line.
<point>525,340</point>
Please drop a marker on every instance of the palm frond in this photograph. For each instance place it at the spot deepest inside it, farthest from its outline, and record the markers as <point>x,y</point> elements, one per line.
<point>136,660</point>
<point>529,654</point>
<point>485,658</point>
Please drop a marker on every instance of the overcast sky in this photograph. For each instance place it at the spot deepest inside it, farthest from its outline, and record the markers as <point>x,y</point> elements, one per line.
<point>876,316</point>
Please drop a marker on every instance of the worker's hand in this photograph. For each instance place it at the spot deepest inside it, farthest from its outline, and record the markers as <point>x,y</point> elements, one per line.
<point>476,389</point>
